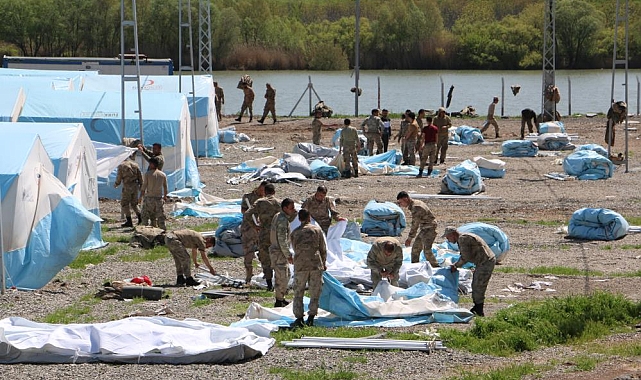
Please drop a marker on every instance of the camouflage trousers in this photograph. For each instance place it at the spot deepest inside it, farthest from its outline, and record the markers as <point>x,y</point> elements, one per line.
<point>269,107</point>
<point>129,200</point>
<point>350,158</point>
<point>316,135</point>
<point>249,239</point>
<point>441,147</point>
<point>219,109</point>
<point>488,122</point>
<point>374,138</point>
<point>480,279</point>
<point>153,210</point>
<point>423,242</point>
<point>281,274</point>
<point>376,278</point>
<point>263,254</point>
<point>410,146</point>
<point>315,280</point>
<point>247,106</point>
<point>428,157</point>
<point>180,255</point>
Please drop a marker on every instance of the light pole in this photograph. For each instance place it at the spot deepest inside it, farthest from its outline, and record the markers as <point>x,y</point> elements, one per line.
<point>356,54</point>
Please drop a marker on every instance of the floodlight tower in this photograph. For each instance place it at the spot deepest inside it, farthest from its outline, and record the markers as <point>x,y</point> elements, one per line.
<point>204,36</point>
<point>548,105</point>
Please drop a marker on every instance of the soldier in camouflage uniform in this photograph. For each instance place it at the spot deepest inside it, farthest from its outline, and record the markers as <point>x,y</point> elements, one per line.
<point>443,123</point>
<point>178,242</point>
<point>155,152</point>
<point>248,233</point>
<point>270,103</point>
<point>219,100</point>
<point>385,259</point>
<point>423,228</point>
<point>400,137</point>
<point>310,260</point>
<point>474,250</point>
<point>154,193</point>
<point>264,209</point>
<point>373,129</point>
<point>248,102</point>
<point>411,136</point>
<point>131,178</point>
<point>322,208</point>
<point>350,144</point>
<point>279,250</point>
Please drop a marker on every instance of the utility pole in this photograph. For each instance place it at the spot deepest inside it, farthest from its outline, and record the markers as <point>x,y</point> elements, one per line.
<point>204,36</point>
<point>548,105</point>
<point>357,37</point>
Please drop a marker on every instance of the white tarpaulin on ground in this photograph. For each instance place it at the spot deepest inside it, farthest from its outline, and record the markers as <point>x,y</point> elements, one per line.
<point>138,340</point>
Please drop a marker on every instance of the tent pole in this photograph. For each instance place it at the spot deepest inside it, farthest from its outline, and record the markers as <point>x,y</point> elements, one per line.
<point>3,283</point>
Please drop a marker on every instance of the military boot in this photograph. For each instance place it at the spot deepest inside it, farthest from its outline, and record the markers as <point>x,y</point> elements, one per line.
<point>139,218</point>
<point>298,323</point>
<point>429,172</point>
<point>270,285</point>
<point>420,174</point>
<point>261,120</point>
<point>180,280</point>
<point>355,173</point>
<point>478,309</point>
<point>239,118</point>
<point>274,121</point>
<point>128,223</point>
<point>190,281</point>
<point>310,320</point>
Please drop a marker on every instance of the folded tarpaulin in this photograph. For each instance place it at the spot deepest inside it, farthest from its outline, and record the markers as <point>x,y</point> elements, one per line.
<point>464,178</point>
<point>383,219</point>
<point>296,163</point>
<point>588,165</point>
<point>228,237</point>
<point>469,135</point>
<point>312,151</point>
<point>595,147</point>
<point>228,135</point>
<point>554,141</point>
<point>597,224</point>
<point>139,340</point>
<point>495,238</point>
<point>551,127</point>
<point>493,168</point>
<point>519,148</point>
<point>391,157</point>
<point>214,210</point>
<point>322,170</point>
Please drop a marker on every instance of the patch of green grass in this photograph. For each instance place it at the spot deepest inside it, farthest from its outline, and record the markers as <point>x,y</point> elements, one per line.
<point>315,374</point>
<point>137,300</point>
<point>239,308</point>
<point>584,362</point>
<point>222,258</point>
<point>565,247</point>
<point>361,359</point>
<point>488,220</point>
<point>549,223</point>
<point>209,226</point>
<point>631,246</point>
<point>521,221</point>
<point>628,274</point>
<point>338,332</point>
<point>110,238</point>
<point>555,270</point>
<point>149,255</point>
<point>530,325</point>
<point>633,220</point>
<point>201,302</point>
<point>75,313</point>
<point>606,247</point>
<point>262,294</point>
<point>625,349</point>
<point>95,256</point>
<point>511,372</point>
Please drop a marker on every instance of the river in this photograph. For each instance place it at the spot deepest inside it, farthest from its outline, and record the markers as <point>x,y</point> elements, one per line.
<point>405,89</point>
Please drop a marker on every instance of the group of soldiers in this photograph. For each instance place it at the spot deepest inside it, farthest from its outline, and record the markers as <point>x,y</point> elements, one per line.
<point>248,101</point>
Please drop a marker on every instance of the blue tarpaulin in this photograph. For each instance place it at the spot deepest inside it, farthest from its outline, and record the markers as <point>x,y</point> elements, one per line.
<point>551,127</point>
<point>588,165</point>
<point>519,148</point>
<point>594,147</point>
<point>597,224</point>
<point>322,170</point>
<point>383,219</point>
<point>464,178</point>
<point>495,238</point>
<point>469,135</point>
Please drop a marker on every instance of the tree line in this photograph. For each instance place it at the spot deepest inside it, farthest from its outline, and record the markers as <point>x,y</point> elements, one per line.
<point>319,35</point>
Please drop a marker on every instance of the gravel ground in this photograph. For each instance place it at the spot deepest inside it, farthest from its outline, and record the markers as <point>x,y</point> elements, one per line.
<point>530,210</point>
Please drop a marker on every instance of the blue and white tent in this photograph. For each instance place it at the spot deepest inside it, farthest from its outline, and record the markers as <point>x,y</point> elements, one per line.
<point>165,121</point>
<point>43,226</point>
<point>11,102</point>
<point>74,160</point>
<point>76,77</point>
<point>37,83</point>
<point>204,134</point>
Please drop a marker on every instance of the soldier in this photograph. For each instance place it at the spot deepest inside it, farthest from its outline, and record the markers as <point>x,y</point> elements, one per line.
<point>400,137</point>
<point>527,115</point>
<point>443,123</point>
<point>490,118</point>
<point>429,136</point>
<point>248,102</point>
<point>385,259</point>
<point>219,100</point>
<point>423,228</point>
<point>270,103</point>
<point>321,208</point>
<point>475,250</point>
<point>178,242</point>
<point>131,178</point>
<point>350,144</point>
<point>419,120</point>
<point>264,209</point>
<point>317,125</point>
<point>155,152</point>
<point>410,137</point>
<point>387,130</point>
<point>373,132</point>
<point>279,253</point>
<point>154,192</point>
<point>248,233</point>
<point>616,115</point>
<point>310,260</point>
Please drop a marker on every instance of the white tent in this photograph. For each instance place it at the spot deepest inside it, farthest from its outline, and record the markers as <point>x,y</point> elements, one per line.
<point>200,96</point>
<point>11,102</point>
<point>43,226</point>
<point>37,83</point>
<point>76,77</point>
<point>165,121</point>
<point>74,160</point>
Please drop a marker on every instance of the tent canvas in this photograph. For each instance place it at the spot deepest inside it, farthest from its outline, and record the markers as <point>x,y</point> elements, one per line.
<point>43,226</point>
<point>165,120</point>
<point>74,161</point>
<point>204,134</point>
<point>37,83</point>
<point>76,77</point>
<point>11,102</point>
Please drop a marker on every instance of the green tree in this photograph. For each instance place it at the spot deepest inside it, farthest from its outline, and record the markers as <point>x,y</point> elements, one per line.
<point>577,26</point>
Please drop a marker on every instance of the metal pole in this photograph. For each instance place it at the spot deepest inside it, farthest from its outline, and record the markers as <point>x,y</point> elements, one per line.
<point>135,16</point>
<point>569,96</point>
<point>357,42</point>
<point>638,93</point>
<point>3,282</point>
<point>122,69</point>
<point>627,89</point>
<point>442,92</point>
<point>379,93</point>
<point>502,96</point>
<point>309,88</point>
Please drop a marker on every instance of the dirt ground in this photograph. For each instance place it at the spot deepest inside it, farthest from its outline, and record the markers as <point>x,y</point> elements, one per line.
<point>530,209</point>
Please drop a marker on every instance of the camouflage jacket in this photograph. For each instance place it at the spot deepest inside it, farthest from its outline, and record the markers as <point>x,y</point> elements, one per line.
<point>323,212</point>
<point>147,155</point>
<point>129,174</point>
<point>422,217</point>
<point>264,209</point>
<point>270,95</point>
<point>248,201</point>
<point>378,260</point>
<point>279,234</point>
<point>349,137</point>
<point>190,239</point>
<point>473,249</point>
<point>443,124</point>
<point>374,125</point>
<point>310,252</point>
